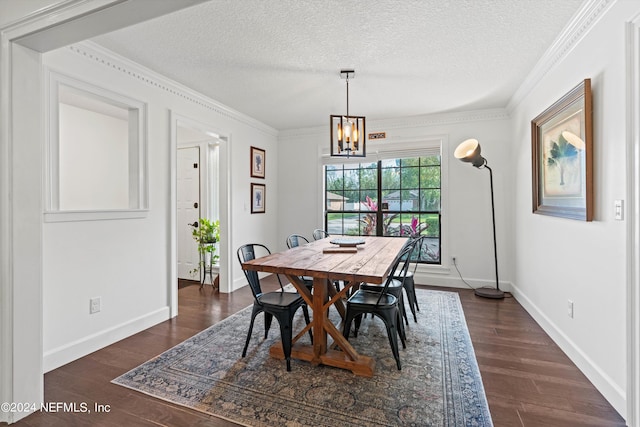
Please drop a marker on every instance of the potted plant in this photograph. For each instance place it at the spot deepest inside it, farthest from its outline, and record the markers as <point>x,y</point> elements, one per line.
<point>206,234</point>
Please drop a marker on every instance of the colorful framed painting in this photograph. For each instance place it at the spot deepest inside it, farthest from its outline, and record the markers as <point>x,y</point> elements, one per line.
<point>257,162</point>
<point>258,198</point>
<point>562,156</point>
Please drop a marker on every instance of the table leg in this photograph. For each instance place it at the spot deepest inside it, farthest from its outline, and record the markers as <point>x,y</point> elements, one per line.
<point>319,318</point>
<point>345,357</point>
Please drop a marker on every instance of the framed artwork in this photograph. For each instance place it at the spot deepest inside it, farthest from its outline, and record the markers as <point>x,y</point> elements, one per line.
<point>562,156</point>
<point>257,162</point>
<point>257,198</point>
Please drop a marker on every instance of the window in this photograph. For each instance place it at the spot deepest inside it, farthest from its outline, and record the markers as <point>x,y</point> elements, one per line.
<point>390,197</point>
<point>96,153</point>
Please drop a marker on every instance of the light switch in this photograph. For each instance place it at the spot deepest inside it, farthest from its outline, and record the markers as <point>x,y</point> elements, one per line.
<point>618,206</point>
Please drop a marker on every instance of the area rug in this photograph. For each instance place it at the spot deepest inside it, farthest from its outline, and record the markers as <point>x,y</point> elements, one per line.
<point>439,384</point>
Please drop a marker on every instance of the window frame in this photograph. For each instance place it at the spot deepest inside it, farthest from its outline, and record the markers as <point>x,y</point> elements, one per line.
<point>408,148</point>
<point>138,154</point>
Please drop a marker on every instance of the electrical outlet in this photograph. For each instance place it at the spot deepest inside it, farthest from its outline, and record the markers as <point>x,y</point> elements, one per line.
<point>570,308</point>
<point>94,305</point>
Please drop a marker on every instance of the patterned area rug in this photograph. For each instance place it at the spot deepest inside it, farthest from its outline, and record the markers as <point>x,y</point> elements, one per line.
<point>439,384</point>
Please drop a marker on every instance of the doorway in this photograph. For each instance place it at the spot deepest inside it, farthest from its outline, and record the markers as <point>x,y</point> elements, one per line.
<point>199,172</point>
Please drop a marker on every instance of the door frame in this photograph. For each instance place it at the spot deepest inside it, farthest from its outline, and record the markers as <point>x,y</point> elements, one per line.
<point>224,204</point>
<point>633,222</point>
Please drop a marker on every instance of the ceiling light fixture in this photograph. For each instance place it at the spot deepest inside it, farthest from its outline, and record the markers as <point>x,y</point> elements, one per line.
<point>347,132</point>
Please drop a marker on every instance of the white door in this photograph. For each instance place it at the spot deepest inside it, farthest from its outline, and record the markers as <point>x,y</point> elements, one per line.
<point>188,210</point>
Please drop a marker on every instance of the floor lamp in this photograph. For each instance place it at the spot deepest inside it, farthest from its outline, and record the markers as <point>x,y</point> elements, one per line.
<point>469,151</point>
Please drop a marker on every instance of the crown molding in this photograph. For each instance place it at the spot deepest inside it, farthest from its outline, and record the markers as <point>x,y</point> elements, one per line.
<point>578,27</point>
<point>409,122</point>
<point>110,59</point>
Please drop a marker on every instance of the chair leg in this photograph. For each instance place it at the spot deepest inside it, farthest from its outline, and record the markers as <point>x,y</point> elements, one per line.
<point>285,335</point>
<point>411,296</point>
<point>401,331</point>
<point>358,319</point>
<point>346,327</point>
<point>305,312</point>
<point>391,324</point>
<point>256,310</point>
<point>268,317</point>
<point>403,310</point>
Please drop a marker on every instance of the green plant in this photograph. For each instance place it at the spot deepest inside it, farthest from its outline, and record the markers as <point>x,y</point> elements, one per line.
<point>206,234</point>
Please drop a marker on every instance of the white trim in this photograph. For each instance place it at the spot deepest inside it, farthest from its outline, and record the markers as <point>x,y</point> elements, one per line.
<point>413,146</point>
<point>119,63</point>
<point>603,383</point>
<point>138,161</point>
<point>580,24</point>
<point>6,224</point>
<point>633,222</point>
<point>224,201</point>
<point>62,355</point>
<point>384,125</point>
<point>70,216</point>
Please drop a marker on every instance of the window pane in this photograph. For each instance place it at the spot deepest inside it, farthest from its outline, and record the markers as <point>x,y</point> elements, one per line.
<point>430,200</point>
<point>430,177</point>
<point>351,179</point>
<point>352,200</point>
<point>391,224</point>
<point>369,179</point>
<point>408,203</point>
<point>368,224</point>
<point>409,200</point>
<point>410,177</point>
<point>335,200</point>
<point>351,225</point>
<point>335,180</point>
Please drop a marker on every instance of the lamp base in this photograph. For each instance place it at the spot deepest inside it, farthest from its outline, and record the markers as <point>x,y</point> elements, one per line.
<point>489,293</point>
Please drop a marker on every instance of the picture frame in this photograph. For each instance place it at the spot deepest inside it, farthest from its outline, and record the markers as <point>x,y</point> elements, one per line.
<point>562,156</point>
<point>258,193</point>
<point>257,162</point>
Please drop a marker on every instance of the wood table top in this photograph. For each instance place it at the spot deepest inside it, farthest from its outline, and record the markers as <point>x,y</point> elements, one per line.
<point>371,263</point>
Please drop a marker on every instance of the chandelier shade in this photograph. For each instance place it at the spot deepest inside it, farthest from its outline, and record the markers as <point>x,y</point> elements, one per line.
<point>347,136</point>
<point>347,132</point>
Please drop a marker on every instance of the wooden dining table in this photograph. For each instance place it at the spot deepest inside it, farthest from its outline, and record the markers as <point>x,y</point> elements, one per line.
<point>370,262</point>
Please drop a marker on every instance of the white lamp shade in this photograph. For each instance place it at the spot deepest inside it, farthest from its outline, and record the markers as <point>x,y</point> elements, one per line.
<point>469,151</point>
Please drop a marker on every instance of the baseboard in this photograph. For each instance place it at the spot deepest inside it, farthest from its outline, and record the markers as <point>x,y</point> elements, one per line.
<point>614,394</point>
<point>439,279</point>
<point>69,352</point>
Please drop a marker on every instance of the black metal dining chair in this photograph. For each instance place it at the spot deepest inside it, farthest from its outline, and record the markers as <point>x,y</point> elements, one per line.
<point>279,304</point>
<point>319,233</point>
<point>293,241</point>
<point>382,304</point>
<point>396,286</point>
<point>408,276</point>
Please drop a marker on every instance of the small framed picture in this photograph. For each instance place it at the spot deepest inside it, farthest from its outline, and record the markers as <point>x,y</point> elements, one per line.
<point>562,156</point>
<point>257,198</point>
<point>257,162</point>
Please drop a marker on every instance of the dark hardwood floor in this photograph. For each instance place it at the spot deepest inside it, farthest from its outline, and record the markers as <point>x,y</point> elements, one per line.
<point>528,380</point>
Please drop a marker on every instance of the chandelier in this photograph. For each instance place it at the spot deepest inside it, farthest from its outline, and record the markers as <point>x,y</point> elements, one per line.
<point>347,132</point>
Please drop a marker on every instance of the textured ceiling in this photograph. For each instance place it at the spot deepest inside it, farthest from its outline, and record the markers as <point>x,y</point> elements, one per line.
<point>278,61</point>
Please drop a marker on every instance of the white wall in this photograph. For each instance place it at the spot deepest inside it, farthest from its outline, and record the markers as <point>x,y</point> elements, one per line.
<point>126,261</point>
<point>558,259</point>
<point>94,160</point>
<point>467,213</point>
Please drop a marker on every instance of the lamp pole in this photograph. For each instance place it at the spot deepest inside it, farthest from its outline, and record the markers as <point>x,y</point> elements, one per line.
<point>490,292</point>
